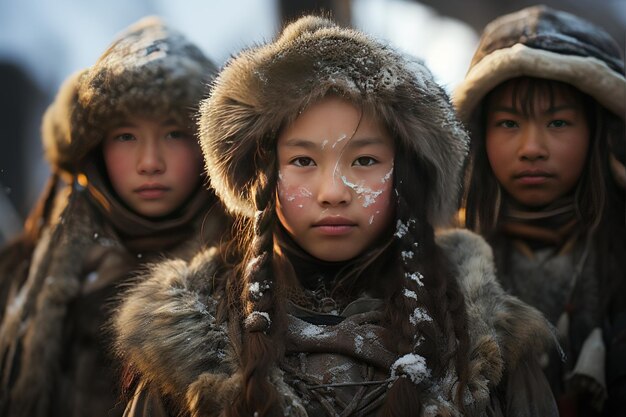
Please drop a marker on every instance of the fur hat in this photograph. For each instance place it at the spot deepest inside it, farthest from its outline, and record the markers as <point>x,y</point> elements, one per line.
<point>545,43</point>
<point>264,88</point>
<point>150,70</point>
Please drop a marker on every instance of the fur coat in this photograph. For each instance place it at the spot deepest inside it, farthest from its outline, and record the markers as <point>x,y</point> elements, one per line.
<point>167,330</point>
<point>563,281</point>
<point>53,340</point>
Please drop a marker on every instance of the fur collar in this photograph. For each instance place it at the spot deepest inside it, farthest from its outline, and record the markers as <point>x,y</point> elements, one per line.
<point>170,319</point>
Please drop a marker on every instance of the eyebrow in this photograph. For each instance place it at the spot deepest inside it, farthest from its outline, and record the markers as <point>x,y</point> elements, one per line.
<point>549,110</point>
<point>169,122</point>
<point>127,123</point>
<point>352,142</point>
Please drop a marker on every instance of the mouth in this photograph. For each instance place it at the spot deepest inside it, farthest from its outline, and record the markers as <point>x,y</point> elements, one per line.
<point>334,226</point>
<point>151,191</point>
<point>533,177</point>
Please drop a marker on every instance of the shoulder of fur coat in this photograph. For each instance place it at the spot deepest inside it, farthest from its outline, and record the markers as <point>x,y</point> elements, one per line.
<point>169,319</point>
<point>518,330</point>
<point>166,326</point>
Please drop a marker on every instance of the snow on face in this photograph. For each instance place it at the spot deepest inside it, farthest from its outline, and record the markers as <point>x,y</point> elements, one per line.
<point>364,192</point>
<point>298,196</point>
<point>335,164</point>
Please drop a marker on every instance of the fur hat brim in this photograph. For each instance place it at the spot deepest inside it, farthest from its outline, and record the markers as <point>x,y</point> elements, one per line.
<point>590,75</point>
<point>150,70</point>
<point>264,88</point>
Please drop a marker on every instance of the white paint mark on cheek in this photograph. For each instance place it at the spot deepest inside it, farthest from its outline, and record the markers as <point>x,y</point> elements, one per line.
<point>342,137</point>
<point>285,195</point>
<point>373,215</point>
<point>369,196</point>
<point>305,192</point>
<point>387,175</point>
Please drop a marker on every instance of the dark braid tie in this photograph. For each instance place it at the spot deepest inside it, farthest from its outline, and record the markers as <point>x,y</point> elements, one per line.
<point>257,321</point>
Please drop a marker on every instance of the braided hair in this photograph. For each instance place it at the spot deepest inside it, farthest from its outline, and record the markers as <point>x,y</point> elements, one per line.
<point>423,301</point>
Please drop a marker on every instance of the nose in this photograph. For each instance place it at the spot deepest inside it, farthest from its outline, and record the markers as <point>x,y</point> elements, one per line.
<point>333,189</point>
<point>150,160</point>
<point>533,145</point>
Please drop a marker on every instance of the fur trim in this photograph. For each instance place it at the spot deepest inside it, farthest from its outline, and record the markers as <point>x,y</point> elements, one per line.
<point>34,318</point>
<point>589,75</point>
<point>170,319</point>
<point>518,329</point>
<point>149,70</point>
<point>545,43</point>
<point>56,127</point>
<point>264,88</point>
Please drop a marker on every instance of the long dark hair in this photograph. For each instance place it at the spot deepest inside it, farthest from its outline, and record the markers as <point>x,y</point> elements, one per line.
<point>261,314</point>
<point>599,200</point>
<point>483,196</point>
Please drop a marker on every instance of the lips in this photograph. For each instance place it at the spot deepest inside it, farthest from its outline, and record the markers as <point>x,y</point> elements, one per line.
<point>533,177</point>
<point>151,191</point>
<point>334,226</point>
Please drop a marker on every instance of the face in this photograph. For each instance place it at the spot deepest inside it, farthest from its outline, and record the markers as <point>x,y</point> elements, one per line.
<point>154,165</point>
<point>335,180</point>
<point>537,158</point>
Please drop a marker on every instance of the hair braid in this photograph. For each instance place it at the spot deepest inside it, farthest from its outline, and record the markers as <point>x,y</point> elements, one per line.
<point>426,305</point>
<point>260,313</point>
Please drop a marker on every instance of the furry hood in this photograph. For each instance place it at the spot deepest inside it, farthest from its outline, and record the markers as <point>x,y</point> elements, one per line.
<point>264,88</point>
<point>148,70</point>
<point>545,43</point>
<point>169,318</point>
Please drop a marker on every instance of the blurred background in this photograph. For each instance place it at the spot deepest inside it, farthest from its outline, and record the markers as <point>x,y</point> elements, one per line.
<point>44,41</point>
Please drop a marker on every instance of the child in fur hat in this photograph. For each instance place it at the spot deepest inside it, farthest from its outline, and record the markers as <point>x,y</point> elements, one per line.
<point>127,187</point>
<point>544,99</point>
<point>339,156</point>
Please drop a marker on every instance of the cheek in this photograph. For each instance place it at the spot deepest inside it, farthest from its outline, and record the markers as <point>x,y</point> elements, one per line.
<point>497,156</point>
<point>185,166</point>
<point>380,209</point>
<point>118,163</point>
<point>293,197</point>
<point>574,159</point>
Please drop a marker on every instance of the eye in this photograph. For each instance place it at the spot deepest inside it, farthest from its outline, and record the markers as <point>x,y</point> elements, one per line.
<point>364,161</point>
<point>177,134</point>
<point>558,123</point>
<point>124,137</point>
<point>507,124</point>
<point>302,161</point>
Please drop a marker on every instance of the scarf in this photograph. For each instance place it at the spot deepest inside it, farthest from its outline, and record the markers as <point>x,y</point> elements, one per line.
<point>554,225</point>
<point>141,234</point>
